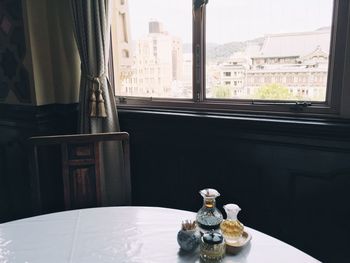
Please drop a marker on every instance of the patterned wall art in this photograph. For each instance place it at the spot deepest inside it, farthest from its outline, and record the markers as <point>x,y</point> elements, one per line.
<point>13,75</point>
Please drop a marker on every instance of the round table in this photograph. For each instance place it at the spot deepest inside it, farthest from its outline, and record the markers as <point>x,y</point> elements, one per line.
<point>121,234</point>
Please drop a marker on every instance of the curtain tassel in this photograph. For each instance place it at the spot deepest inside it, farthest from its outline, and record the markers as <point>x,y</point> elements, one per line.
<point>97,111</point>
<point>101,105</point>
<point>92,103</point>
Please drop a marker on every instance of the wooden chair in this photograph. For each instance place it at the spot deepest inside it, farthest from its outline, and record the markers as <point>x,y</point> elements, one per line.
<point>66,170</point>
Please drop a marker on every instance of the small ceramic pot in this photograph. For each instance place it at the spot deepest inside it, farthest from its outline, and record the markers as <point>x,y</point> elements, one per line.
<point>188,239</point>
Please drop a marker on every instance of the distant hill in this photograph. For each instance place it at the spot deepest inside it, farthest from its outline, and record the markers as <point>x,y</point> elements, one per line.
<point>219,52</point>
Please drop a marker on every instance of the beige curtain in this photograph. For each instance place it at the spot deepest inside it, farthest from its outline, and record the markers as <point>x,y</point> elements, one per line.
<point>97,110</point>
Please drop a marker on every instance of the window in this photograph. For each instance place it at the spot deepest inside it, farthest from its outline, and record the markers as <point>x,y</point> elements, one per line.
<point>159,48</point>
<point>276,52</point>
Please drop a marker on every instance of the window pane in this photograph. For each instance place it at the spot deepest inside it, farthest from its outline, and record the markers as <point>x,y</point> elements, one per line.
<point>268,50</point>
<point>152,48</point>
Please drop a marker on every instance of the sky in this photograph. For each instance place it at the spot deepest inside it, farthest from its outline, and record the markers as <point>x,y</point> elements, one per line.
<point>231,20</point>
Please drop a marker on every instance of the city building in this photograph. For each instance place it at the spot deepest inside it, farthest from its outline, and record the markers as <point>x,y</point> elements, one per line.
<point>297,61</point>
<point>157,66</point>
<point>121,44</point>
<point>187,75</point>
<point>233,74</point>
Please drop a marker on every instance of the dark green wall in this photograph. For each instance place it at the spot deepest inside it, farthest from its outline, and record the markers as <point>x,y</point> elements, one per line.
<point>291,178</point>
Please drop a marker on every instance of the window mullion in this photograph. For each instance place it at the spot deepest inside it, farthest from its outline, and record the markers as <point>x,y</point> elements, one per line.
<point>198,49</point>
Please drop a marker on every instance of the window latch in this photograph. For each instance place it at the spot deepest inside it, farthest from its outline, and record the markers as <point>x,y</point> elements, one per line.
<point>297,106</point>
<point>122,100</point>
<point>300,106</point>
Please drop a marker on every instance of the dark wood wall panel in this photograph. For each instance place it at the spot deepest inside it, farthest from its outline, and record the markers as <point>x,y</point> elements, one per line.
<point>13,174</point>
<point>4,193</point>
<point>17,123</point>
<point>291,179</point>
<point>50,170</point>
<point>290,182</point>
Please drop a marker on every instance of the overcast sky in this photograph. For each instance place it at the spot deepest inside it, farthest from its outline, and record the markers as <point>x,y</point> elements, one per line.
<point>232,20</point>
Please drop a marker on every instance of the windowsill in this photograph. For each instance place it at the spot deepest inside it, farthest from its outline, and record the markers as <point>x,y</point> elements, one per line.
<point>261,112</point>
<point>294,109</point>
<point>302,118</point>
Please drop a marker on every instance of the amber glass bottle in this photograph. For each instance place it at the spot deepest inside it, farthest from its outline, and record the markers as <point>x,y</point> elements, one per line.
<point>231,228</point>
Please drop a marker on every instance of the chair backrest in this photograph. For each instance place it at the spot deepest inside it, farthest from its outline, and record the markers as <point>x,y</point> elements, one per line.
<point>79,159</point>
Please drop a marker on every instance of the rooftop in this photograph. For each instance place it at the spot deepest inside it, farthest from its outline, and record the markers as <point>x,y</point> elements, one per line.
<point>295,44</point>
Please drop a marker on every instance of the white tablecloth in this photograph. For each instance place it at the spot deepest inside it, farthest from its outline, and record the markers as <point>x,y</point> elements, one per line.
<point>121,234</point>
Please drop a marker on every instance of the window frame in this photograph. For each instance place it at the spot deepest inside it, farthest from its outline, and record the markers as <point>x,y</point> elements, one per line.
<point>336,98</point>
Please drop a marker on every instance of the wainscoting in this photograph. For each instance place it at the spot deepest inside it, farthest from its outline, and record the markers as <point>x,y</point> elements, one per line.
<point>17,123</point>
<point>291,179</point>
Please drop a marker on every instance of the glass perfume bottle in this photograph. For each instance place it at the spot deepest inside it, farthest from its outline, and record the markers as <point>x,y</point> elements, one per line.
<point>209,217</point>
<point>231,228</point>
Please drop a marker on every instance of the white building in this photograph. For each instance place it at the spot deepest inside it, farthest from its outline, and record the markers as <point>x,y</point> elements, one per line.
<point>187,69</point>
<point>122,48</point>
<point>157,65</point>
<point>298,61</point>
<point>233,73</point>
